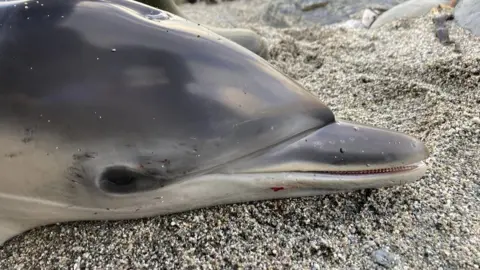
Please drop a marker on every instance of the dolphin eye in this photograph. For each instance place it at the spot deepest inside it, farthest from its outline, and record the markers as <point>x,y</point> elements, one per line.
<point>120,176</point>
<point>124,180</point>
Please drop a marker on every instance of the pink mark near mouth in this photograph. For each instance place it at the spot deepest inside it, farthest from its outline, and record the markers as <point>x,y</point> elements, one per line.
<point>277,188</point>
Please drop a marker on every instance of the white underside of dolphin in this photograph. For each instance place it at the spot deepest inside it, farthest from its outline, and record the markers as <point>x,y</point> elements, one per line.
<point>24,212</point>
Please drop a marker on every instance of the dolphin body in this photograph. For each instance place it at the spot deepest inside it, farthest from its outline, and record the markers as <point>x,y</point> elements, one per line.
<point>117,110</point>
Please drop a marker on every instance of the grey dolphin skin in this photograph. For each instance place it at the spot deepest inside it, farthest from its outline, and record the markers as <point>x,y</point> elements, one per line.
<point>117,110</point>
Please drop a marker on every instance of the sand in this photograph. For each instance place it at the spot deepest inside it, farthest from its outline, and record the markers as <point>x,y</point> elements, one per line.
<point>396,77</point>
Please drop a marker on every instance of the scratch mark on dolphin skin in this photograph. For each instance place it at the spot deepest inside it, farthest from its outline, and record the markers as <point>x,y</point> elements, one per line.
<point>28,135</point>
<point>13,154</point>
<point>245,122</point>
<point>84,156</point>
<point>75,174</point>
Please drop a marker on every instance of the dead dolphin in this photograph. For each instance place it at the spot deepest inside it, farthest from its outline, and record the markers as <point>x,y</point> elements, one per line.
<point>117,110</point>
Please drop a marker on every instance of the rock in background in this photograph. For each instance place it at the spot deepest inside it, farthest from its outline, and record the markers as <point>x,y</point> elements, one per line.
<point>286,13</point>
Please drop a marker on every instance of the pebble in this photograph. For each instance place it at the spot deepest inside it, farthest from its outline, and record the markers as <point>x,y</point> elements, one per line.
<point>309,5</point>
<point>476,120</point>
<point>369,16</point>
<point>384,258</point>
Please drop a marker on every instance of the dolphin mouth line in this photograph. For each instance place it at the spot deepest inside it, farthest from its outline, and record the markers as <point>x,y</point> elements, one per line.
<point>398,169</point>
<point>353,172</point>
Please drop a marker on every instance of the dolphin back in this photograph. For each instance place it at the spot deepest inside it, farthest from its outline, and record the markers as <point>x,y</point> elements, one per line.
<point>88,72</point>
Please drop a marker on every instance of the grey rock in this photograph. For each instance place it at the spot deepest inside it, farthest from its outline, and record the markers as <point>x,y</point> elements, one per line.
<point>276,14</point>
<point>384,258</point>
<point>369,16</point>
<point>476,120</point>
<point>308,5</point>
<point>441,30</point>
<point>408,9</point>
<point>467,15</point>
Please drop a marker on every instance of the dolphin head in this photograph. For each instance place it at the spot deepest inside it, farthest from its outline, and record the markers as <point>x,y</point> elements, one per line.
<point>116,110</point>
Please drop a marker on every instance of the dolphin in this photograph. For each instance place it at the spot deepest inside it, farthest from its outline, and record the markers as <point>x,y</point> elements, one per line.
<point>117,110</point>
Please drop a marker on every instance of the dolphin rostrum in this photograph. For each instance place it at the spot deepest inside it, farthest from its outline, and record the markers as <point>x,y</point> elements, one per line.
<point>118,110</point>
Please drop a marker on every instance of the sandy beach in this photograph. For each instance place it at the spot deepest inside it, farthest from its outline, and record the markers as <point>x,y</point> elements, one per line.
<point>398,77</point>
